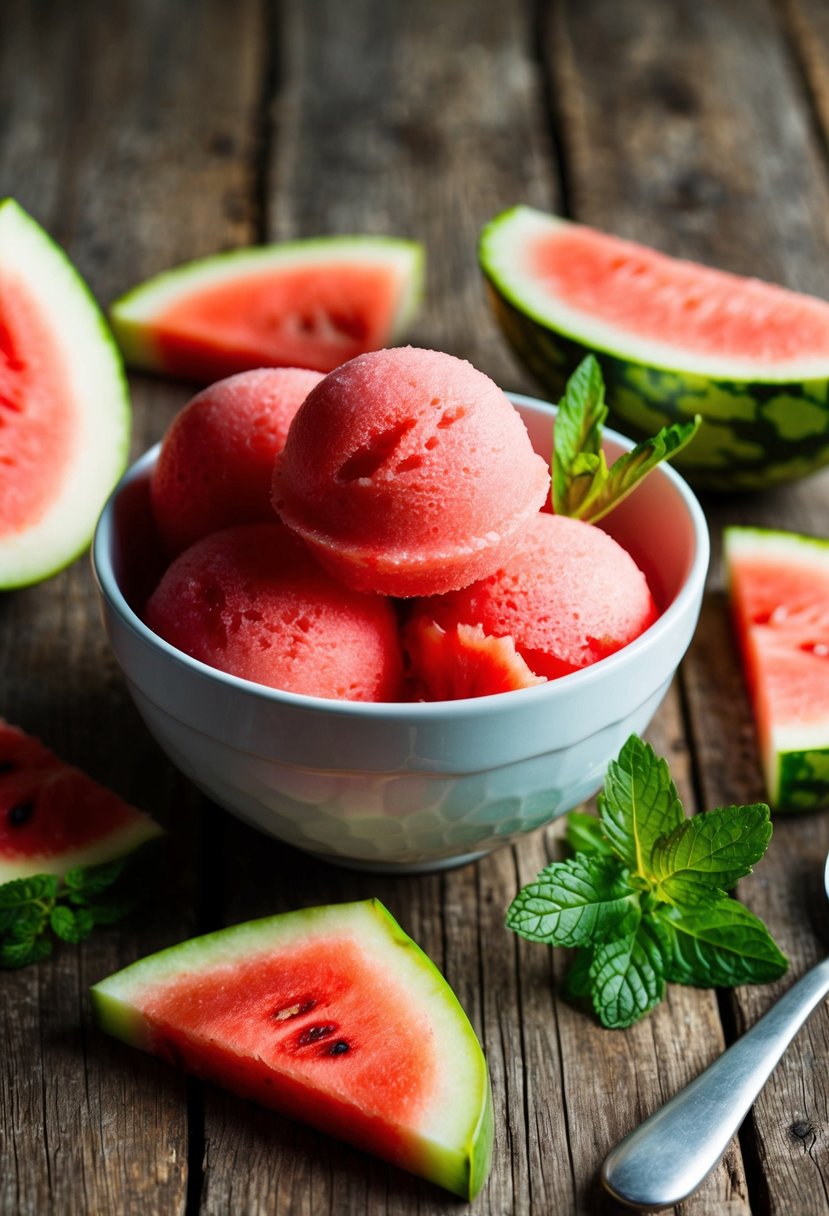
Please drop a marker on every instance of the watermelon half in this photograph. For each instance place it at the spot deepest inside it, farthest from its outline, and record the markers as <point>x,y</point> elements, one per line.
<point>779,589</point>
<point>674,339</point>
<point>329,1015</point>
<point>313,303</point>
<point>54,816</point>
<point>64,405</point>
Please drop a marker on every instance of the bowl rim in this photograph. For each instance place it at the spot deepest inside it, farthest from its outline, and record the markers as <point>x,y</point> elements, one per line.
<point>545,695</point>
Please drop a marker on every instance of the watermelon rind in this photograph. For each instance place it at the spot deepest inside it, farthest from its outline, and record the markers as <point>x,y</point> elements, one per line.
<point>761,425</point>
<point>452,1145</point>
<point>794,756</point>
<point>97,390</point>
<point>133,316</point>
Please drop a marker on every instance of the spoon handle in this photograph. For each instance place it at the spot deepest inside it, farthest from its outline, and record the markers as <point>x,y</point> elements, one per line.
<point>667,1157</point>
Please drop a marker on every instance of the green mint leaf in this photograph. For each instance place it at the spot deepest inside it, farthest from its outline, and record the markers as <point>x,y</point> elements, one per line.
<point>22,891</point>
<point>717,944</point>
<point>29,921</point>
<point>585,834</point>
<point>92,880</point>
<point>577,454</point>
<point>638,804</point>
<point>627,977</point>
<point>625,474</point>
<point>20,954</point>
<point>573,903</point>
<point>583,486</point>
<point>710,851</point>
<point>71,925</point>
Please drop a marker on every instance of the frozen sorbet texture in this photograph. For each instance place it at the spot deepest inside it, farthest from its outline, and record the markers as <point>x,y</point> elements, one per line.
<point>217,457</point>
<point>409,473</point>
<point>251,601</point>
<point>570,595</point>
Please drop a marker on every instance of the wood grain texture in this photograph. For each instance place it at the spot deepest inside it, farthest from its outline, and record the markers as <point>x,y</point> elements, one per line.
<point>164,132</point>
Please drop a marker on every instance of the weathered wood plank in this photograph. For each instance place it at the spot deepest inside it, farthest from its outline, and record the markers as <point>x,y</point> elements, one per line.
<point>133,163</point>
<point>674,137</point>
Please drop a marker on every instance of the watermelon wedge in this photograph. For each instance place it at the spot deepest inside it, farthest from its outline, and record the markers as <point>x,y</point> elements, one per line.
<point>329,1015</point>
<point>54,817</point>
<point>779,590</point>
<point>312,304</point>
<point>64,405</point>
<point>674,339</point>
<point>462,661</point>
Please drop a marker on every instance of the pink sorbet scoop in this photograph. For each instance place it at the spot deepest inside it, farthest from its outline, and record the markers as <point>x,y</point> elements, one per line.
<point>216,460</point>
<point>569,596</point>
<point>409,473</point>
<point>251,601</point>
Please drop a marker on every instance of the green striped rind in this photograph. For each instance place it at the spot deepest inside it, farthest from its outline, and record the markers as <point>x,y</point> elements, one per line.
<point>97,396</point>
<point>754,433</point>
<point>797,778</point>
<point>454,1147</point>
<point>134,315</point>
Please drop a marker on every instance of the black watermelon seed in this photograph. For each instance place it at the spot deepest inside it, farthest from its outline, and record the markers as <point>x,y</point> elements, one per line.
<point>21,813</point>
<point>314,1033</point>
<point>338,1049</point>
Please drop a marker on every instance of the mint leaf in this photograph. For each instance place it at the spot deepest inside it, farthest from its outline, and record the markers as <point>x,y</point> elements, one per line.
<point>710,851</point>
<point>718,944</point>
<point>577,454</point>
<point>573,903</point>
<point>585,834</point>
<point>627,977</point>
<point>583,486</point>
<point>626,473</point>
<point>20,954</point>
<point>638,804</point>
<point>71,925</point>
<point>578,982</point>
<point>22,891</point>
<point>92,880</point>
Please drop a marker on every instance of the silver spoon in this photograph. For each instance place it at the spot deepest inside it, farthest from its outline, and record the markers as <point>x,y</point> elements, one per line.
<point>666,1158</point>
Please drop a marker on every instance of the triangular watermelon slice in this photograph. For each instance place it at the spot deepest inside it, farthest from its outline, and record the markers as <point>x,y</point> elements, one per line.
<point>779,589</point>
<point>462,661</point>
<point>64,405</point>
<point>330,1015</point>
<point>54,817</point>
<point>312,303</point>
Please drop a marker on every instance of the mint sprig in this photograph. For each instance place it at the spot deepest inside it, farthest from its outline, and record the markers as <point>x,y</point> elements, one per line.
<point>37,910</point>
<point>583,485</point>
<point>643,900</point>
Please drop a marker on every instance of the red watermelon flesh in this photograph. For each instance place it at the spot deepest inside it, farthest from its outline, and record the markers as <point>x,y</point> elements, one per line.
<point>462,661</point>
<point>36,426</point>
<point>54,817</point>
<point>702,310</point>
<point>329,1015</point>
<point>312,304</point>
<point>779,590</point>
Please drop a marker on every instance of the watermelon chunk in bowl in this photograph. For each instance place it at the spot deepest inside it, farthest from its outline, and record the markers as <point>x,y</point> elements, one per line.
<point>674,339</point>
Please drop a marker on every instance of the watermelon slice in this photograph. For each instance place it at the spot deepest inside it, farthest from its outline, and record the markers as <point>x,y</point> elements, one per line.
<point>779,589</point>
<point>674,339</point>
<point>312,304</point>
<point>54,817</point>
<point>64,405</point>
<point>329,1015</point>
<point>462,661</point>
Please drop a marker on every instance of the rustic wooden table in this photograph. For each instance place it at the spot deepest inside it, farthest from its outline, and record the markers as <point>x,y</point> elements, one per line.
<point>142,133</point>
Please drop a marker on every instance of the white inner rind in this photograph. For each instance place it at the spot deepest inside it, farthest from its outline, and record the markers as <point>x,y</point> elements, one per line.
<point>503,251</point>
<point>95,386</point>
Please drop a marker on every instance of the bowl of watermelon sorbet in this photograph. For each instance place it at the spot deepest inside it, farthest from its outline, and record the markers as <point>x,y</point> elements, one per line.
<point>405,786</point>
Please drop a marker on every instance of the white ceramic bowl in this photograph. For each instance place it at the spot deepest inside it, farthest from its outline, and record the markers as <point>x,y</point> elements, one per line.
<point>405,787</point>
